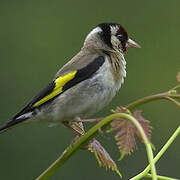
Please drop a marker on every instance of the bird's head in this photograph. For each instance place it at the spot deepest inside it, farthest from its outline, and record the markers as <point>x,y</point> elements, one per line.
<point>110,36</point>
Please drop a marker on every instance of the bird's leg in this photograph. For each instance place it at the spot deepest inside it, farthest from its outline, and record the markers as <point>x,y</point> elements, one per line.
<point>100,131</point>
<point>76,127</point>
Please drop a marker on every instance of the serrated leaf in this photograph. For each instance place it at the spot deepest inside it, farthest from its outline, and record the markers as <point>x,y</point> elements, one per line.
<point>102,156</point>
<point>124,136</point>
<point>144,123</point>
<point>126,131</point>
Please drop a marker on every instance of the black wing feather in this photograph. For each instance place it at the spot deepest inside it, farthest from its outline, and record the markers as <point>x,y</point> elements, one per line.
<point>29,107</point>
<point>85,73</point>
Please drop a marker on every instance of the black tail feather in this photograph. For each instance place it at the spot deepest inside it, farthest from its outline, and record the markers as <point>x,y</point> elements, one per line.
<point>10,124</point>
<point>14,122</point>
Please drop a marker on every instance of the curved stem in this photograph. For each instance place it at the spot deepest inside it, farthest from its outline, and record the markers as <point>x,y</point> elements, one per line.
<point>157,157</point>
<point>148,146</point>
<point>173,101</point>
<point>151,98</point>
<point>89,136</point>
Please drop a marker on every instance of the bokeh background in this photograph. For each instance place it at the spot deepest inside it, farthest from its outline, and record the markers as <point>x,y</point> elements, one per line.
<point>37,37</point>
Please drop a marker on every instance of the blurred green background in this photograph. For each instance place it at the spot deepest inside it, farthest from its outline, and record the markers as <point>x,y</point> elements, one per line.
<point>38,37</point>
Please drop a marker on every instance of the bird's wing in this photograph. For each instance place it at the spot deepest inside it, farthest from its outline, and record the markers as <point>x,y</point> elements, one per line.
<point>81,60</point>
<point>66,79</point>
<point>61,84</point>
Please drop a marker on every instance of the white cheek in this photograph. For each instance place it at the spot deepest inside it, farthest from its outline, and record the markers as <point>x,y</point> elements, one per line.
<point>114,29</point>
<point>115,42</point>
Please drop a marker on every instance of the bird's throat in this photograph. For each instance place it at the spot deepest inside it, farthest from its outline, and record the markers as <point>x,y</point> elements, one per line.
<point>118,67</point>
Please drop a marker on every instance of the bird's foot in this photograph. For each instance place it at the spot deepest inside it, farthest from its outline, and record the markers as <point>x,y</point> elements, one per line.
<point>100,131</point>
<point>76,127</point>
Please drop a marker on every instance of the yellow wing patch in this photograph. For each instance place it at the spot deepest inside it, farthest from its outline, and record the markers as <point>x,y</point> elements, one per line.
<point>59,83</point>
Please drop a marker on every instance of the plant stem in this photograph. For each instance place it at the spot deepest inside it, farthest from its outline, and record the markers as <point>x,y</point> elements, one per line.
<point>160,177</point>
<point>173,101</point>
<point>157,157</point>
<point>151,98</point>
<point>75,147</point>
<point>89,136</point>
<point>147,144</point>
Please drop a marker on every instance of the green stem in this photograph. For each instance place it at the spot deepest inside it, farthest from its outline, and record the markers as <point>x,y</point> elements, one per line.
<point>173,101</point>
<point>161,152</point>
<point>90,135</point>
<point>151,98</point>
<point>148,146</point>
<point>160,177</point>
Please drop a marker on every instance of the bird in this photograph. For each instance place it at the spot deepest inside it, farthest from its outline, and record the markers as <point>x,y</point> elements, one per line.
<point>85,84</point>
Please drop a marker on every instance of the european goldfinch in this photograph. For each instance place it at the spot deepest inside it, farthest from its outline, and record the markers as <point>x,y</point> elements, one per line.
<point>84,85</point>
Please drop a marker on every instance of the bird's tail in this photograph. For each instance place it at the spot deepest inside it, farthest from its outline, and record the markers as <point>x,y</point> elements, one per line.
<point>15,120</point>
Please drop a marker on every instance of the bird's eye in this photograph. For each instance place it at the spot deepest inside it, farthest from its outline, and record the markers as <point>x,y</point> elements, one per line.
<point>120,37</point>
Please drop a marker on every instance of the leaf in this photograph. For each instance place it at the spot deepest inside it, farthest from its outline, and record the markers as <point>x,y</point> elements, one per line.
<point>126,131</point>
<point>102,156</point>
<point>124,136</point>
<point>144,123</point>
<point>178,77</point>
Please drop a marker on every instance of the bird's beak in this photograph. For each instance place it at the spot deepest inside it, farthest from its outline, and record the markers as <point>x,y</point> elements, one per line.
<point>132,44</point>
